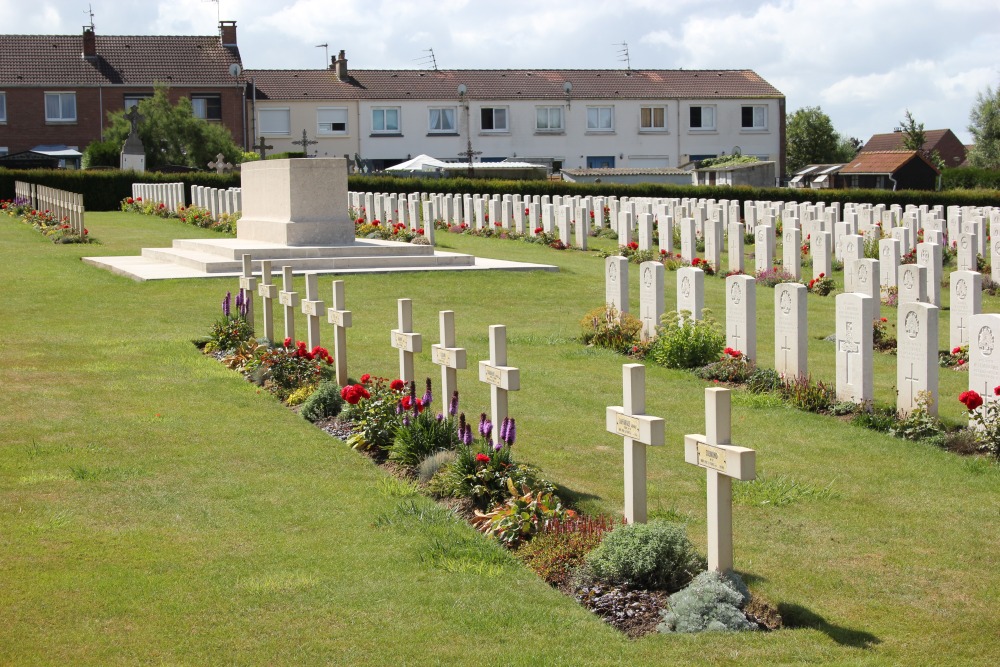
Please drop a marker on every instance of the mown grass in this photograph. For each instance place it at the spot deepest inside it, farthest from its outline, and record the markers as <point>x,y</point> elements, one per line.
<point>155,507</point>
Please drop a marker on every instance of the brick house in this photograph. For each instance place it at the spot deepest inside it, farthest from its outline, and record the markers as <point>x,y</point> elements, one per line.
<point>889,170</point>
<point>948,146</point>
<point>58,89</point>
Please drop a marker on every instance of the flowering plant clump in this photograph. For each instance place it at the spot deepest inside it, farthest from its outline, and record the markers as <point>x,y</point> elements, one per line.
<point>15,207</point>
<point>288,367</point>
<point>372,410</point>
<point>774,276</point>
<point>521,516</point>
<point>821,285</point>
<point>733,366</point>
<point>232,329</point>
<point>605,326</point>
<point>890,296</point>
<point>882,339</point>
<point>957,358</point>
<point>202,217</point>
<point>985,421</point>
<point>137,205</point>
<point>704,265</point>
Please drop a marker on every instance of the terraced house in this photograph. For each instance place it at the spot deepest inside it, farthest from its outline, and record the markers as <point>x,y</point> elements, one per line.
<point>562,118</point>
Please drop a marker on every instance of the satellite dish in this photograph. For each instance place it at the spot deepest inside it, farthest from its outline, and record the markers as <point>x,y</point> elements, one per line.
<point>461,89</point>
<point>567,87</point>
<point>235,69</point>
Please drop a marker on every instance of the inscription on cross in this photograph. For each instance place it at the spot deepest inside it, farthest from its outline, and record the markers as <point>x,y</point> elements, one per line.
<point>288,299</point>
<point>313,309</point>
<point>404,340</point>
<point>501,377</point>
<point>268,293</point>
<point>220,165</point>
<point>248,285</point>
<point>340,318</point>
<point>305,143</point>
<point>639,430</point>
<point>447,356</point>
<point>723,463</point>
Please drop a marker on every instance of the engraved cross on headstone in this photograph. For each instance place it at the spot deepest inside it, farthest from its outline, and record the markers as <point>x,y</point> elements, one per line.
<point>913,380</point>
<point>405,340</point>
<point>723,463</point>
<point>447,356</point>
<point>849,347</point>
<point>305,143</point>
<point>639,430</point>
<point>340,318</point>
<point>262,148</point>
<point>501,377</point>
<point>785,348</point>
<point>220,165</point>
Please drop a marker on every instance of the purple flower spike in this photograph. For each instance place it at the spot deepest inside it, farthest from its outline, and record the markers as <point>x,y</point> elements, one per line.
<point>504,425</point>
<point>497,447</point>
<point>453,405</point>
<point>226,304</point>
<point>440,417</point>
<point>511,433</point>
<point>406,420</point>
<point>399,408</point>
<point>428,395</point>
<point>467,436</point>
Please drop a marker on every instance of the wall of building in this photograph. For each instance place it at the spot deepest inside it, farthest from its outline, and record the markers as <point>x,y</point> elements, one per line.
<point>303,116</point>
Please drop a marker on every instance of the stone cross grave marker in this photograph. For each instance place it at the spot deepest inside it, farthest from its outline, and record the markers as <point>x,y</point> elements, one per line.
<point>741,314</point>
<point>650,297</point>
<point>616,283</point>
<point>966,301</point>
<point>305,143</point>
<point>288,299</point>
<point>501,377</point>
<point>984,357</point>
<point>262,148</point>
<point>220,165</point>
<point>723,462</point>
<point>737,231</point>
<point>341,319</point>
<point>447,356</point>
<point>854,313</point>
<point>916,356</point>
<point>268,293</point>
<point>404,340</point>
<point>691,291</point>
<point>248,285</point>
<point>790,343</point>
<point>639,430</point>
<point>313,309</point>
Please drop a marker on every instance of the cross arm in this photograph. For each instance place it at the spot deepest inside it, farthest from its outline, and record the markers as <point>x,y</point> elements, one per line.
<point>646,429</point>
<point>505,377</point>
<point>730,460</point>
<point>408,342</point>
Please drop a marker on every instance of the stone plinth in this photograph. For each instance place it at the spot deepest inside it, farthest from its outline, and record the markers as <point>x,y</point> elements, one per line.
<point>296,202</point>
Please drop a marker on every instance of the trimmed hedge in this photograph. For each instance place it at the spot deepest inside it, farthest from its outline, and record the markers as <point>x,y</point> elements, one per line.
<point>969,178</point>
<point>104,190</point>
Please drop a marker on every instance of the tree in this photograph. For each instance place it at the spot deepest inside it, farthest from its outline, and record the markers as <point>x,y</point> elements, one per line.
<point>914,136</point>
<point>170,134</point>
<point>984,124</point>
<point>847,148</point>
<point>811,139</point>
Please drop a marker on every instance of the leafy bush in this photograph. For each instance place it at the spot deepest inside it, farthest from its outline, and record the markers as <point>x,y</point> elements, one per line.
<point>881,419</point>
<point>655,555</point>
<point>774,276</point>
<point>432,464</point>
<point>425,435</point>
<point>604,326</point>
<point>762,380</point>
<point>734,367</point>
<point>287,368</point>
<point>232,329</point>
<point>323,403</point>
<point>713,602</point>
<point>685,343</point>
<point>372,411</point>
<point>821,286</point>
<point>920,424</point>
<point>559,548</point>
<point>802,393</point>
<point>521,516</point>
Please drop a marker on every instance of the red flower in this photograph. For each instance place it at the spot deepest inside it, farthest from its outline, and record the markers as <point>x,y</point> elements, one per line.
<point>663,253</point>
<point>633,245</point>
<point>884,320</point>
<point>996,390</point>
<point>956,350</point>
<point>361,391</point>
<point>365,378</point>
<point>288,342</point>
<point>970,399</point>
<point>822,275</point>
<point>482,458</point>
<point>961,362</point>
<point>527,211</point>
<point>539,230</point>
<point>397,385</point>
<point>406,402</point>
<point>350,394</point>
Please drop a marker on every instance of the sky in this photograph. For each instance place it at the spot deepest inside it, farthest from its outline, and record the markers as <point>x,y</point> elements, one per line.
<point>864,62</point>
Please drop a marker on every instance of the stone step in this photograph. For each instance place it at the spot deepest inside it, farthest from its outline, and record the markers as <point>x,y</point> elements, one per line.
<point>213,264</point>
<point>234,249</point>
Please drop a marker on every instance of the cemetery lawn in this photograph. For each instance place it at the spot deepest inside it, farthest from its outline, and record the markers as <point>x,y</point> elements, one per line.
<point>156,507</point>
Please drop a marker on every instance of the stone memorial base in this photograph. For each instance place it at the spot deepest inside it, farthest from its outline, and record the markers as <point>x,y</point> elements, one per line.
<point>295,214</point>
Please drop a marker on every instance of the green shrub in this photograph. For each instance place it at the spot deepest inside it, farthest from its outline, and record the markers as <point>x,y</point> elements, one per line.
<point>324,403</point>
<point>373,415</point>
<point>424,436</point>
<point>920,424</point>
<point>299,396</point>
<point>881,419</point>
<point>762,380</point>
<point>713,602</point>
<point>521,516</point>
<point>656,555</point>
<point>432,464</point>
<point>734,367</point>
<point>803,394</point>
<point>605,327</point>
<point>685,343</point>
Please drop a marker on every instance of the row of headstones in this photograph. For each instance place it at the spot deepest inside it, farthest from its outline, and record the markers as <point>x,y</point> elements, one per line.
<point>495,372</point>
<point>917,322</point>
<point>216,200</point>
<point>62,204</point>
<point>171,195</point>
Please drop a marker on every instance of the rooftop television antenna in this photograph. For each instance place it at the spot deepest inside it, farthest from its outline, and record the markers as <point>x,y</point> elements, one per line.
<point>218,14</point>
<point>326,50</point>
<point>428,59</point>
<point>623,55</point>
<point>90,13</point>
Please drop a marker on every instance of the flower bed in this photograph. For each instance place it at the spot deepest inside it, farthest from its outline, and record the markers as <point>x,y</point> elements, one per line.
<point>57,229</point>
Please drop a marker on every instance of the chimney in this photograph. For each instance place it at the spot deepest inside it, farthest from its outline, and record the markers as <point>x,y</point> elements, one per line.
<point>89,42</point>
<point>227,31</point>
<point>340,66</point>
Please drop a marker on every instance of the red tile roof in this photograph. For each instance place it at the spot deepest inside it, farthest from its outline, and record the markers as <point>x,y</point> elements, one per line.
<point>34,60</point>
<point>948,146</point>
<point>881,162</point>
<point>512,84</point>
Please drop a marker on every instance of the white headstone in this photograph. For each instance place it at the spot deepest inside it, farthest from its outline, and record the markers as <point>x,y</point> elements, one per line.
<point>691,291</point>
<point>501,377</point>
<point>888,263</point>
<point>820,247</point>
<point>790,342</point>
<point>404,340</point>
<point>449,357</point>
<point>854,314</point>
<point>916,356</point>
<point>929,256</point>
<point>616,283</point>
<point>741,314</point>
<point>966,301</point>
<point>651,299</point>
<point>965,252</point>
<point>763,248</point>
<point>791,255</point>
<point>687,239</point>
<point>737,231</point>
<point>862,276</point>
<point>984,357</point>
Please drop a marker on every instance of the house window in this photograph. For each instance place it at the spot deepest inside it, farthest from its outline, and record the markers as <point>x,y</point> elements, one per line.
<point>207,107</point>
<point>549,119</point>
<point>754,117</point>
<point>493,119</point>
<point>3,107</point>
<point>652,119</point>
<point>441,120</point>
<point>702,118</point>
<point>600,119</point>
<point>3,151</point>
<point>331,120</point>
<point>60,107</point>
<point>271,122</point>
<point>133,99</point>
<point>385,120</point>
